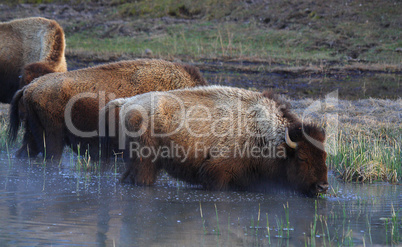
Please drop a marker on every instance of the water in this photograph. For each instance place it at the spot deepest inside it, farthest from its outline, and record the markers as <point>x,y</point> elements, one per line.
<point>350,87</point>
<point>63,205</point>
<point>50,205</point>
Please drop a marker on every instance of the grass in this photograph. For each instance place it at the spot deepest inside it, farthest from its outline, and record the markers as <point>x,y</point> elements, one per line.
<point>217,221</point>
<point>203,220</point>
<point>393,225</point>
<point>268,230</point>
<point>339,225</point>
<point>313,226</point>
<point>207,41</point>
<point>289,33</point>
<point>343,234</point>
<point>3,133</point>
<point>366,138</point>
<point>290,36</point>
<point>368,154</point>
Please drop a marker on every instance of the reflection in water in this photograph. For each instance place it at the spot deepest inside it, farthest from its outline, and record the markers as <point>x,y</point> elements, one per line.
<point>59,205</point>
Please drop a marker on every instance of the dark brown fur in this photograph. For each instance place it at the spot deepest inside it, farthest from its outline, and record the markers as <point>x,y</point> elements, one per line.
<point>41,105</point>
<point>34,70</point>
<point>302,169</point>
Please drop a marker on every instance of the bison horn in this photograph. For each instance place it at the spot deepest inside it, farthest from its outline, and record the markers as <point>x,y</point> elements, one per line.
<point>290,143</point>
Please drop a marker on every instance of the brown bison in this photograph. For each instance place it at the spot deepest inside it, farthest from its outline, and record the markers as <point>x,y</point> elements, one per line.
<point>61,109</point>
<point>29,48</point>
<point>220,138</point>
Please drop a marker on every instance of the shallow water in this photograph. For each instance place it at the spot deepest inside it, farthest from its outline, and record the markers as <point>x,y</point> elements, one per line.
<point>66,205</point>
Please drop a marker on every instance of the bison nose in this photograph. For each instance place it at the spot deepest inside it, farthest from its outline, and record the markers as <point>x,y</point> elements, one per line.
<point>322,187</point>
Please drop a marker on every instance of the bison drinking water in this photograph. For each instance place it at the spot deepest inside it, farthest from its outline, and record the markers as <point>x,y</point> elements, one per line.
<point>62,108</point>
<point>29,48</point>
<point>220,138</point>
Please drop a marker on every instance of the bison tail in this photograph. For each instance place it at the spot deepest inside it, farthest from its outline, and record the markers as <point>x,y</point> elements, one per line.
<point>14,123</point>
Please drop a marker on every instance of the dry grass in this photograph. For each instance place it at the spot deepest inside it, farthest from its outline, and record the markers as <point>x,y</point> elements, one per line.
<point>365,137</point>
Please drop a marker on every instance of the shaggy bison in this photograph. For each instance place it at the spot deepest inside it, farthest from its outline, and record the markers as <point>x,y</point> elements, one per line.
<point>29,48</point>
<point>62,108</point>
<point>220,138</point>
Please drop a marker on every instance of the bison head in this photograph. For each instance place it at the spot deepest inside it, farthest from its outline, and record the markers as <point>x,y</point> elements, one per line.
<point>306,168</point>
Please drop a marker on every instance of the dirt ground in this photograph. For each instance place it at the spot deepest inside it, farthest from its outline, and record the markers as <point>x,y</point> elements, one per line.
<point>355,78</point>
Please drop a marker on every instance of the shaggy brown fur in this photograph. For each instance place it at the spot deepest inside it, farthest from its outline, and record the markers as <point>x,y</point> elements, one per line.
<point>47,98</point>
<point>214,125</point>
<point>29,48</point>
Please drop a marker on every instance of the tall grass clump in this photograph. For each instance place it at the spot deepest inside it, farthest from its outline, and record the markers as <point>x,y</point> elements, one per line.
<point>363,140</point>
<point>368,154</point>
<point>4,118</point>
<point>3,133</point>
<point>4,145</point>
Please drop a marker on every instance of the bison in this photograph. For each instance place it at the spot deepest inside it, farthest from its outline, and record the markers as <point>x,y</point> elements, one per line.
<point>220,138</point>
<point>61,109</point>
<point>29,48</point>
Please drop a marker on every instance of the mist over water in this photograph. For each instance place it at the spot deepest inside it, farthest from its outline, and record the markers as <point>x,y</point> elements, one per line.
<point>66,205</point>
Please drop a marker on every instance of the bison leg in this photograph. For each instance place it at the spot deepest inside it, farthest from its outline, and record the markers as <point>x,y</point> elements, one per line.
<point>141,172</point>
<point>219,174</point>
<point>29,148</point>
<point>49,140</point>
<point>93,148</point>
<point>53,145</point>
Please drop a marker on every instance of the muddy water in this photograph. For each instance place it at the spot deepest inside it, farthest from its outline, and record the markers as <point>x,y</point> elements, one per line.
<point>71,206</point>
<point>350,87</point>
